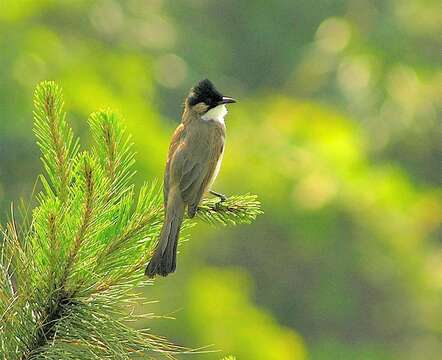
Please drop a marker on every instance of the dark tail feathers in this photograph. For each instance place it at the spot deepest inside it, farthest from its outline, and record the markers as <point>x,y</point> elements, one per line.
<point>163,261</point>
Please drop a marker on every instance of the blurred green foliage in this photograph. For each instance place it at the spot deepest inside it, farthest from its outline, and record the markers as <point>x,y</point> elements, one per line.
<point>225,303</point>
<point>338,130</point>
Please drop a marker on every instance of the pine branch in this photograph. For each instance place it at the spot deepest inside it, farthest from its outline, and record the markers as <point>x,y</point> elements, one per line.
<point>238,209</point>
<point>86,220</point>
<point>54,136</point>
<point>68,276</point>
<point>114,149</point>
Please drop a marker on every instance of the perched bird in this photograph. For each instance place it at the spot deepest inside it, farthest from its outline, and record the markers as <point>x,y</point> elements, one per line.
<point>193,162</point>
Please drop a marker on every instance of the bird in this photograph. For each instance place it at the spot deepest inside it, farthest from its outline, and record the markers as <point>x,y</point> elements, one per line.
<point>193,162</point>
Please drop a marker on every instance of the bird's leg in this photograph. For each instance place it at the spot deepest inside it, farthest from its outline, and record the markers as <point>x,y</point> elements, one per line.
<point>221,196</point>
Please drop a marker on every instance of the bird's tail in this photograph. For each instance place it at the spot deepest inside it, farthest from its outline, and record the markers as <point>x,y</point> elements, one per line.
<point>163,261</point>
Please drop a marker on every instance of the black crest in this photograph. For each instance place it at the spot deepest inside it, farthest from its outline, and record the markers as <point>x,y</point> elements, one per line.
<point>205,92</point>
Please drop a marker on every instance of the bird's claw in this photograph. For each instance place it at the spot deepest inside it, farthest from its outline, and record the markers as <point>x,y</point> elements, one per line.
<point>220,196</point>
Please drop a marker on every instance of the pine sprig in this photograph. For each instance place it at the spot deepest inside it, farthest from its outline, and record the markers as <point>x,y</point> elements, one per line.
<point>54,136</point>
<point>68,277</point>
<point>113,147</point>
<point>235,210</point>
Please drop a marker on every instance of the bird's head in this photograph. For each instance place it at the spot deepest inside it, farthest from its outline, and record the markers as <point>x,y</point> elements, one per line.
<point>204,97</point>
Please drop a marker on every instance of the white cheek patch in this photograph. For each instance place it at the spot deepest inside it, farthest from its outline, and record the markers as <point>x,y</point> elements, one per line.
<point>217,114</point>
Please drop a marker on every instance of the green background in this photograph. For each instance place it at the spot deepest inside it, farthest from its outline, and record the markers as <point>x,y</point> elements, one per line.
<point>338,130</point>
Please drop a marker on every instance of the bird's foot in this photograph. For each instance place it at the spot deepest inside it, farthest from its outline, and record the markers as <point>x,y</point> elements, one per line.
<point>220,196</point>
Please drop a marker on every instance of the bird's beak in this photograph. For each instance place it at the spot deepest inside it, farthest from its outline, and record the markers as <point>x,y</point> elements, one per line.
<point>227,100</point>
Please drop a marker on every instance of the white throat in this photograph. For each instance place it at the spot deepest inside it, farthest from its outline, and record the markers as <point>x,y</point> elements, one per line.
<point>216,114</point>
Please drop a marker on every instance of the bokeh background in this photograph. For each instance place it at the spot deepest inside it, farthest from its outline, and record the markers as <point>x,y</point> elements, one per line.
<point>338,130</point>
